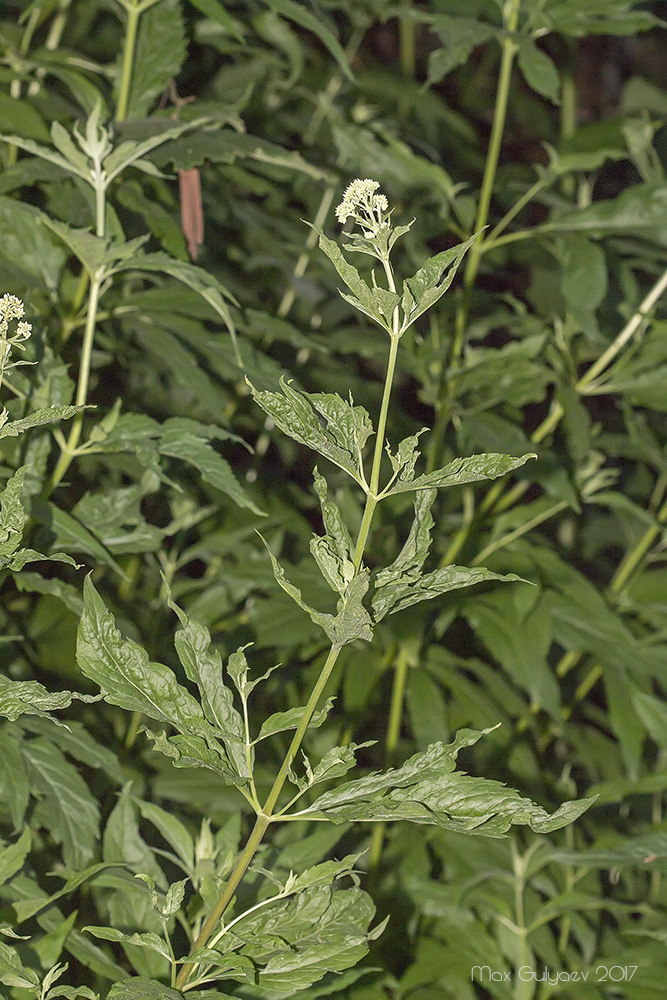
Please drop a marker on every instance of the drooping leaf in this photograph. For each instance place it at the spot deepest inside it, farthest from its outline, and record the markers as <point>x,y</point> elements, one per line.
<point>210,289</point>
<point>48,415</point>
<point>352,620</point>
<point>71,534</point>
<point>182,439</point>
<point>194,751</point>
<point>30,698</point>
<point>460,36</point>
<point>311,22</point>
<point>217,12</point>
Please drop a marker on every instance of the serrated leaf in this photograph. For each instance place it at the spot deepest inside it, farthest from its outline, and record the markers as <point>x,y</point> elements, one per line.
<point>408,563</point>
<point>362,297</point>
<point>295,943</point>
<point>210,289</point>
<point>407,453</point>
<point>334,764</point>
<point>427,789</point>
<point>12,514</point>
<point>179,440</point>
<point>426,287</point>
<point>30,698</point>
<point>97,254</point>
<point>48,415</point>
<point>351,622</point>
<point>148,939</point>
<point>123,672</point>
<point>13,855</point>
<point>460,36</point>
<point>193,751</point>
<point>347,430</point>
<point>403,593</point>
<point>324,620</point>
<point>280,722</point>
<point>203,666</point>
<point>66,808</point>
<point>333,551</point>
<point>139,988</point>
<point>463,470</point>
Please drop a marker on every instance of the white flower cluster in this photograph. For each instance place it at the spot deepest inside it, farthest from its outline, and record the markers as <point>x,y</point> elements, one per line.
<point>11,308</point>
<point>367,207</point>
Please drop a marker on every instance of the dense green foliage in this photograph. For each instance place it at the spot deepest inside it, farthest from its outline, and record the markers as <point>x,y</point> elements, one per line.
<point>464,648</point>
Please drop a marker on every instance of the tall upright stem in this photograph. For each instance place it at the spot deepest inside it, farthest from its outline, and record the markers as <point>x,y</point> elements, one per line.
<point>96,282</point>
<point>131,28</point>
<point>509,47</point>
<point>266,814</point>
<point>391,743</point>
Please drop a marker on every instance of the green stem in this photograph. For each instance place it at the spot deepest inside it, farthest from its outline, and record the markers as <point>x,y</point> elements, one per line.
<point>391,742</point>
<point>67,454</point>
<point>522,986</point>
<point>568,109</point>
<point>500,543</point>
<point>262,822</point>
<point>267,814</point>
<point>302,263</point>
<point>525,198</point>
<point>626,333</point>
<point>509,48</point>
<point>372,497</point>
<point>133,12</point>
<point>443,409</point>
<point>406,41</point>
